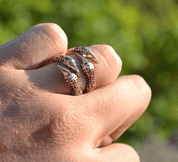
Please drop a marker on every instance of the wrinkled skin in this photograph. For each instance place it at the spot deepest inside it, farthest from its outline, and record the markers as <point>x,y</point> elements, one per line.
<point>40,121</point>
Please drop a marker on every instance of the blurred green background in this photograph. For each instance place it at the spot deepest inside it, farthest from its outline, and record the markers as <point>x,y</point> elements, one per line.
<point>144,33</point>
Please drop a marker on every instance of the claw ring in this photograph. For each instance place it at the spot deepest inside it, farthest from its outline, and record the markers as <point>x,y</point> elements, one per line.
<point>87,67</point>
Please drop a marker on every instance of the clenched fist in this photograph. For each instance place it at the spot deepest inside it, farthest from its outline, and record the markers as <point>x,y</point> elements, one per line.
<point>41,121</point>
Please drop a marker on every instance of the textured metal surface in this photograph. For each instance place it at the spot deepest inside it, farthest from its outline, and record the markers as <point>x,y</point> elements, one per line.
<point>68,61</point>
<point>84,51</point>
<point>72,80</point>
<point>87,68</point>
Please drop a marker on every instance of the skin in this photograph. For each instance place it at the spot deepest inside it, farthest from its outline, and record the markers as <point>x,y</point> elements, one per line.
<point>40,121</point>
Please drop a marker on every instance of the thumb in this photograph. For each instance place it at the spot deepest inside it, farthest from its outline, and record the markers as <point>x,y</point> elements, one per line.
<point>38,44</point>
<point>116,152</point>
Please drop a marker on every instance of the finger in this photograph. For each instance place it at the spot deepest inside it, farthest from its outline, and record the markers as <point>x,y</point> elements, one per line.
<point>38,44</point>
<point>116,153</point>
<point>110,106</point>
<point>50,78</point>
<point>109,66</point>
<point>124,126</point>
<point>120,130</point>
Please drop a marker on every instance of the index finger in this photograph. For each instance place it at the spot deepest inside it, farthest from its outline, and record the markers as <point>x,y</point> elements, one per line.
<point>39,43</point>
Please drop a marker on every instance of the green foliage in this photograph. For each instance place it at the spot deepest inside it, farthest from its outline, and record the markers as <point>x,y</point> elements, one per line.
<point>144,33</point>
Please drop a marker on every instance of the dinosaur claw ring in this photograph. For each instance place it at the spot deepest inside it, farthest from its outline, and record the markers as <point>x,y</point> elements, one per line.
<point>72,79</point>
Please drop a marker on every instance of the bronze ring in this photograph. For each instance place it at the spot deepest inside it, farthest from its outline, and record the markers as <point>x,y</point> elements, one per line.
<point>87,67</point>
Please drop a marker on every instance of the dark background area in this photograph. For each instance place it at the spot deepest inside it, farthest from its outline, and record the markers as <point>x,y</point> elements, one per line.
<point>144,33</point>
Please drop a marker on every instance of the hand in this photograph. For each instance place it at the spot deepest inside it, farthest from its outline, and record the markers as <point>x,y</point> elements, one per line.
<point>39,122</point>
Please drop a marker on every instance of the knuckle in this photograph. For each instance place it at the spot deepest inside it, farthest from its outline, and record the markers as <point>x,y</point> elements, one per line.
<point>116,56</point>
<point>108,47</point>
<point>115,62</point>
<point>51,28</point>
<point>48,26</point>
<point>54,32</point>
<point>143,88</point>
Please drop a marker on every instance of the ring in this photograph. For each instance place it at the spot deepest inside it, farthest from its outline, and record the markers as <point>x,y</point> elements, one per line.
<point>87,68</point>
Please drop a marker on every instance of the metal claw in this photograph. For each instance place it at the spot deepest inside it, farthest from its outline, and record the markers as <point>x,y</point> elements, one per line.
<point>83,59</point>
<point>86,52</point>
<point>72,80</point>
<point>88,69</point>
<point>70,62</point>
<point>64,70</point>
